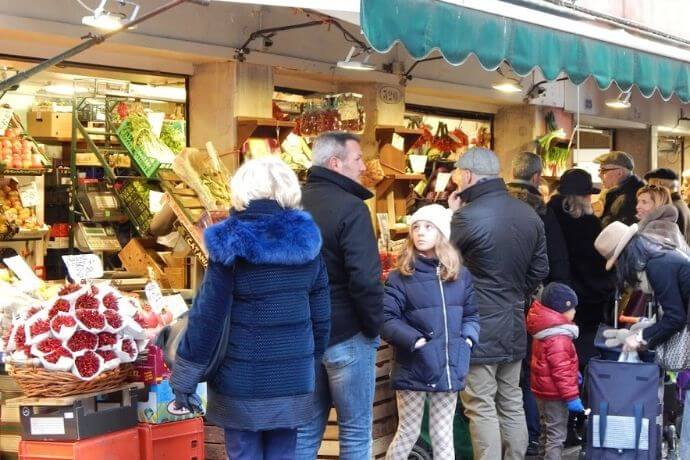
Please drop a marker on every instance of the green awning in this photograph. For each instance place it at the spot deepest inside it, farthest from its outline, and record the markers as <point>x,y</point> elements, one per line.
<point>423,26</point>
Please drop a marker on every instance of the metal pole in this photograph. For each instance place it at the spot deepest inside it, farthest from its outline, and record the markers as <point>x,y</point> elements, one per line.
<point>93,40</point>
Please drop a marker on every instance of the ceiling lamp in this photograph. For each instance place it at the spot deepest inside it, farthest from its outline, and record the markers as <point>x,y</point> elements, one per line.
<point>61,89</point>
<point>105,20</point>
<point>349,64</point>
<point>621,102</point>
<point>507,85</point>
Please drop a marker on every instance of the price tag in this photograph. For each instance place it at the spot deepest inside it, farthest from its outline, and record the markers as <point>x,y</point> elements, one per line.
<point>28,194</point>
<point>155,201</point>
<point>22,270</point>
<point>154,296</point>
<point>5,117</point>
<point>348,110</point>
<point>84,266</point>
<point>176,305</point>
<point>441,181</point>
<point>398,142</point>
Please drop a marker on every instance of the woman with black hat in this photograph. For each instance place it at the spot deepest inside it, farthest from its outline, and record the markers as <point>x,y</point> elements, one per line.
<point>591,282</point>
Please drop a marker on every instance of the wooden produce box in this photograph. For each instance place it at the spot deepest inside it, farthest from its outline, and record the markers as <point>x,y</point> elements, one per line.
<point>10,430</point>
<point>214,442</point>
<point>385,419</point>
<point>49,124</point>
<point>170,269</point>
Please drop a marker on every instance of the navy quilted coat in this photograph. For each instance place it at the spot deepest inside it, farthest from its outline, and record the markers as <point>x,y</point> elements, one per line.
<point>266,272</point>
<point>415,307</point>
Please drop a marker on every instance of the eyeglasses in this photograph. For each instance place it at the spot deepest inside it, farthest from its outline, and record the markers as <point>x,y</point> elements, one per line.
<point>603,171</point>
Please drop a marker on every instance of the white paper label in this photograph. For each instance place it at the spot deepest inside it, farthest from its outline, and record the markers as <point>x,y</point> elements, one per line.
<point>155,201</point>
<point>175,305</point>
<point>84,266</point>
<point>398,142</point>
<point>22,270</point>
<point>441,181</point>
<point>28,194</point>
<point>154,296</point>
<point>69,415</point>
<point>348,110</point>
<point>5,117</point>
<point>47,426</point>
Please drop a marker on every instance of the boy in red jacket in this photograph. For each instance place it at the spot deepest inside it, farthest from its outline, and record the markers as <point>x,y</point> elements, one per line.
<point>554,376</point>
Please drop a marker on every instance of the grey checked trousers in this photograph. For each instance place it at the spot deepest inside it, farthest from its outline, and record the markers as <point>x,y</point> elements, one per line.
<point>410,412</point>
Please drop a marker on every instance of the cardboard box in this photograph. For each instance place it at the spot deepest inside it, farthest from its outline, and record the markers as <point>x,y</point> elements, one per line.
<point>73,418</point>
<point>151,371</point>
<point>141,253</point>
<point>49,124</point>
<point>160,405</point>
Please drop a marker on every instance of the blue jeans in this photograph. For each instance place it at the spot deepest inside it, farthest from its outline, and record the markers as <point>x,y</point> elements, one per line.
<point>345,380</point>
<point>685,428</point>
<point>256,445</point>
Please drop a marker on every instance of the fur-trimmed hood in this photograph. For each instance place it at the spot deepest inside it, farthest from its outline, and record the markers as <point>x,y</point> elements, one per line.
<point>529,194</point>
<point>264,233</point>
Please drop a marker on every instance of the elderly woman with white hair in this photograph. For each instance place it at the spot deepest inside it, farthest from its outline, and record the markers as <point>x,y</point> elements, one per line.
<point>265,272</point>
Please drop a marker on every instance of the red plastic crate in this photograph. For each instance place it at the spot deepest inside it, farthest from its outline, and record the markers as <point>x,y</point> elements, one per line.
<point>182,440</point>
<point>112,446</point>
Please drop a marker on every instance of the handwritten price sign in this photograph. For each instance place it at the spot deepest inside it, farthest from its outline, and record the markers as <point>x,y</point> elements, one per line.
<point>84,266</point>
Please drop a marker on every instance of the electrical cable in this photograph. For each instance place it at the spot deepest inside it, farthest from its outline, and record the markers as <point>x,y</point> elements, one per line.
<point>85,6</point>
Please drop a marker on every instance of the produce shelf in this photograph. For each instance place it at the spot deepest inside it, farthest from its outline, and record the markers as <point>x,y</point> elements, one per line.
<point>384,135</point>
<point>262,127</point>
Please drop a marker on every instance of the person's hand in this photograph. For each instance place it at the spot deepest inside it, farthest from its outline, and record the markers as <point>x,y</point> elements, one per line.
<point>189,401</point>
<point>468,341</point>
<point>454,201</point>
<point>576,405</point>
<point>632,343</point>
<point>420,343</point>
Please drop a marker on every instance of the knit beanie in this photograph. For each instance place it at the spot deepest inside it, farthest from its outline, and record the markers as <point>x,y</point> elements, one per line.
<point>559,297</point>
<point>436,214</point>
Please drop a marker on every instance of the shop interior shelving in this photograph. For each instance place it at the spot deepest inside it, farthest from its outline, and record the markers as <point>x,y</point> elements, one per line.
<point>394,191</point>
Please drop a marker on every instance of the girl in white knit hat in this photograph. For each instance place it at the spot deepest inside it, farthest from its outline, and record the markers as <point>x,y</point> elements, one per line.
<point>431,319</point>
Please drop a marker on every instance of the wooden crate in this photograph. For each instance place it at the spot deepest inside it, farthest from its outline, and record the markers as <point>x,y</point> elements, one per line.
<point>10,431</point>
<point>214,442</point>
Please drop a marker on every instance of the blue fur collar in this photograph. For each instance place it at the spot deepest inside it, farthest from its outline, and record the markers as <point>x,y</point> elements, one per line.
<point>264,233</point>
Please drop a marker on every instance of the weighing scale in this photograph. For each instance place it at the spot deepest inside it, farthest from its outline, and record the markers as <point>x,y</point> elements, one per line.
<point>94,237</point>
<point>100,205</point>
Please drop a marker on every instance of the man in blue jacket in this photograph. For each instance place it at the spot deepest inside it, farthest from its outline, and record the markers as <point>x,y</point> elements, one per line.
<point>346,376</point>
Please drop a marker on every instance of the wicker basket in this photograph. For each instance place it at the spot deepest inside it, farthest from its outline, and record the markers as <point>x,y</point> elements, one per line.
<point>40,382</point>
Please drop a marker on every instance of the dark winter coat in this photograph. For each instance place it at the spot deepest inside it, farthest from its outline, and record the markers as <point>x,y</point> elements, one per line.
<point>415,307</point>
<point>669,277</point>
<point>502,243</point>
<point>265,271</point>
<point>683,215</point>
<point>349,250</point>
<point>554,363</point>
<point>556,249</point>
<point>589,279</point>
<point>621,201</point>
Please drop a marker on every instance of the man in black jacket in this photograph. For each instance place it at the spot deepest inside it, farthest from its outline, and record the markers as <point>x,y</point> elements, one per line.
<point>616,173</point>
<point>502,243</point>
<point>346,377</point>
<point>527,167</point>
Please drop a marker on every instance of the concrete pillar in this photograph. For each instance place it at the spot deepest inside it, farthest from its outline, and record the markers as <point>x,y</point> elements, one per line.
<point>220,92</point>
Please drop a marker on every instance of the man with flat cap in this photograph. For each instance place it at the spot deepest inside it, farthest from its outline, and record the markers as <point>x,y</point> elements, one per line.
<point>616,173</point>
<point>665,177</point>
<point>502,243</point>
